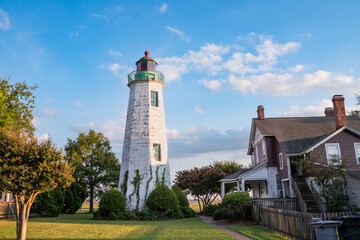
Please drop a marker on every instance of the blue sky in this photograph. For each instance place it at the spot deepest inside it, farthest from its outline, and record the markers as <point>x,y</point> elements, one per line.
<point>221,59</point>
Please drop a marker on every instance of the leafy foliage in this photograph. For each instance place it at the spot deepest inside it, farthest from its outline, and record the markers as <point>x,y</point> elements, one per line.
<point>202,183</point>
<point>94,161</point>
<point>49,204</point>
<point>181,197</point>
<point>228,167</point>
<point>112,204</point>
<point>239,199</point>
<point>28,169</point>
<point>16,105</point>
<point>329,176</point>
<point>75,195</point>
<point>209,210</point>
<point>162,199</point>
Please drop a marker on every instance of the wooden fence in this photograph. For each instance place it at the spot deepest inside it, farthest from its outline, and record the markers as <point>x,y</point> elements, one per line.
<point>293,224</point>
<point>278,203</point>
<point>7,209</point>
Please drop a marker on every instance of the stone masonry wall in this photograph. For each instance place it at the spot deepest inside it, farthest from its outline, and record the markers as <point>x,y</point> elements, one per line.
<point>145,126</point>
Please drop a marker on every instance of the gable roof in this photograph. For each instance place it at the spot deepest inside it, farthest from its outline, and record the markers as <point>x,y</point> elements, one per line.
<point>234,176</point>
<point>296,134</point>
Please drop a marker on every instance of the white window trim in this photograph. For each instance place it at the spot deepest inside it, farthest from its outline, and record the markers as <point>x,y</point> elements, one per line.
<point>257,154</point>
<point>263,150</point>
<point>281,161</point>
<point>326,150</point>
<point>356,154</point>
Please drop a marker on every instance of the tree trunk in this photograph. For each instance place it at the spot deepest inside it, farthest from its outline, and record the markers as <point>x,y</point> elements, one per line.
<point>21,225</point>
<point>91,200</point>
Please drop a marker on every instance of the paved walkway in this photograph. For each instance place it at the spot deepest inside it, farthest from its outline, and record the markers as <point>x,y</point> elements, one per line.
<point>232,233</point>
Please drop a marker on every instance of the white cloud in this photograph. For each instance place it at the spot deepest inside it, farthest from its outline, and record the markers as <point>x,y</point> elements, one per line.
<point>35,121</point>
<point>215,85</point>
<point>78,103</point>
<point>116,67</point>
<point>163,8</point>
<point>199,109</point>
<point>268,53</point>
<point>307,34</point>
<point>4,20</point>
<point>208,58</point>
<point>98,15</point>
<point>42,137</point>
<point>49,112</point>
<point>204,140</point>
<point>113,130</point>
<point>289,84</point>
<point>120,71</point>
<point>179,33</point>
<point>297,68</point>
<point>112,52</point>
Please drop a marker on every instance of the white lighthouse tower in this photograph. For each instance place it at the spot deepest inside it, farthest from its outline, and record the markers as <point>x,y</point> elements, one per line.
<point>144,159</point>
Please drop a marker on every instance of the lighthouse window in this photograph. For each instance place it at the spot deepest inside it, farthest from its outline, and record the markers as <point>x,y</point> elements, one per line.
<point>154,99</point>
<point>157,152</point>
<point>151,66</point>
<point>143,66</point>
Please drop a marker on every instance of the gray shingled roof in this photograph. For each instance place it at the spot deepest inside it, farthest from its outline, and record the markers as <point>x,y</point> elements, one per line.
<point>235,175</point>
<point>296,134</point>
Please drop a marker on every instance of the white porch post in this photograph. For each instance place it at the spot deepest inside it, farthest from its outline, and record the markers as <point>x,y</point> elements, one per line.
<point>284,189</point>
<point>222,189</point>
<point>238,185</point>
<point>243,185</point>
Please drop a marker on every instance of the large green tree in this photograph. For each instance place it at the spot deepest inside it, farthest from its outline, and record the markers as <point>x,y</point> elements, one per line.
<point>16,105</point>
<point>95,163</point>
<point>28,168</point>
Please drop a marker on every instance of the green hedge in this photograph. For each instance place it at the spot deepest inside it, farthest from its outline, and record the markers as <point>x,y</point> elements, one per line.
<point>112,203</point>
<point>181,197</point>
<point>162,199</point>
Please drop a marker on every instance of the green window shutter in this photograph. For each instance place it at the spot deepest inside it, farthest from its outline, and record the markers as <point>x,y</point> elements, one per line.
<point>154,99</point>
<point>157,152</point>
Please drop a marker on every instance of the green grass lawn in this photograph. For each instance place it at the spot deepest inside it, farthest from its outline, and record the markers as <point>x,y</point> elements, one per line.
<point>80,226</point>
<point>257,232</point>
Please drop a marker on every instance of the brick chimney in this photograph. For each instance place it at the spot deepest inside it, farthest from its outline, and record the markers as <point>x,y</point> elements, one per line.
<point>339,111</point>
<point>329,112</point>
<point>260,112</point>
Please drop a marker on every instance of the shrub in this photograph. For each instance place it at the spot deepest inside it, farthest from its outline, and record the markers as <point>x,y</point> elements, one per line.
<point>75,195</point>
<point>181,197</point>
<point>162,199</point>
<point>209,210</point>
<point>112,203</point>
<point>187,212</point>
<point>239,199</point>
<point>49,204</point>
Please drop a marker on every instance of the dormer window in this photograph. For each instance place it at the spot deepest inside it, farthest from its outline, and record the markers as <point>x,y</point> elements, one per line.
<point>257,154</point>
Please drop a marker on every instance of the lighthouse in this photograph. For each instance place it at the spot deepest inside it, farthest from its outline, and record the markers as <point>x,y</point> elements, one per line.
<point>144,162</point>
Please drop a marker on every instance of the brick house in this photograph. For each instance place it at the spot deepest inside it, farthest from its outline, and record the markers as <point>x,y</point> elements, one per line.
<point>275,143</point>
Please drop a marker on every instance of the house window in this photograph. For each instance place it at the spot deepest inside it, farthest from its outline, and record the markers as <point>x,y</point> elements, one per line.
<point>157,152</point>
<point>281,160</point>
<point>264,150</point>
<point>333,153</point>
<point>154,99</point>
<point>257,154</point>
<point>357,152</point>
<point>252,159</point>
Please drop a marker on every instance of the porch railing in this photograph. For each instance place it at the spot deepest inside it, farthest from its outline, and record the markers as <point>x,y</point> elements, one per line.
<point>302,203</point>
<point>317,197</point>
